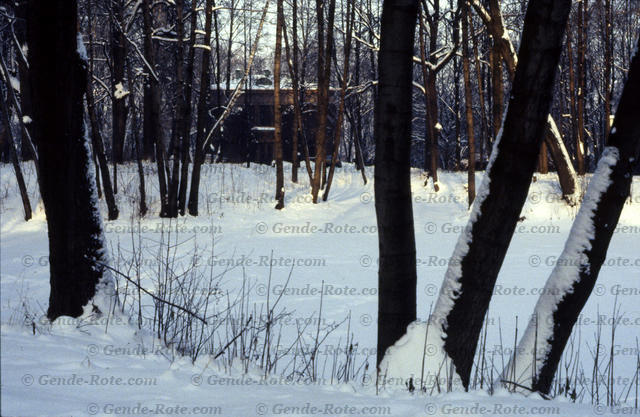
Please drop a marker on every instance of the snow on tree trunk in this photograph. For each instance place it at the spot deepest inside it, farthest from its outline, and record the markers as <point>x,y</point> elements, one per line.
<point>442,350</point>
<point>575,274</point>
<point>58,62</point>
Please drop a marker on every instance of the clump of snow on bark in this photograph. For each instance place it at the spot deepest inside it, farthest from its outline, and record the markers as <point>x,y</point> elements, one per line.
<point>82,49</point>
<point>564,276</point>
<point>26,120</point>
<point>120,91</point>
<point>420,353</point>
<point>15,83</point>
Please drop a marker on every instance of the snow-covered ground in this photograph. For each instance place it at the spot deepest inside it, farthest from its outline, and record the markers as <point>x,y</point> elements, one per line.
<point>319,263</point>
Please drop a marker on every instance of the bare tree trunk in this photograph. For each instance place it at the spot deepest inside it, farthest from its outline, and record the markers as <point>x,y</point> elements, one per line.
<point>178,140</point>
<point>572,280</point>
<point>350,16</point>
<point>186,115</point>
<point>277,109</point>
<point>14,157</point>
<point>504,48</point>
<point>118,58</point>
<point>135,139</point>
<point>203,117</point>
<point>297,107</point>
<point>464,298</point>
<point>468,104</point>
<point>151,128</point>
<point>582,46</point>
<point>58,79</point>
<point>96,137</point>
<point>394,212</point>
<point>325,46</point>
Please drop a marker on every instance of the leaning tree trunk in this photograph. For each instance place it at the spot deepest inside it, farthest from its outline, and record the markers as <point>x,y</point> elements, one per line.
<point>503,47</point>
<point>572,280</point>
<point>58,80</point>
<point>468,285</point>
<point>394,211</point>
<point>96,137</point>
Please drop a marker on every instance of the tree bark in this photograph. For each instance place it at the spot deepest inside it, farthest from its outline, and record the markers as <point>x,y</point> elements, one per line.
<point>58,81</point>
<point>277,109</point>
<point>350,16</point>
<point>394,212</point>
<point>96,137</point>
<point>4,108</point>
<point>477,259</point>
<point>203,117</point>
<point>151,128</point>
<point>468,105</point>
<point>119,113</point>
<point>572,280</point>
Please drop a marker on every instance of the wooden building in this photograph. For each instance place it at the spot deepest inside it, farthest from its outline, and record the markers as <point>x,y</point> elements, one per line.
<point>248,133</point>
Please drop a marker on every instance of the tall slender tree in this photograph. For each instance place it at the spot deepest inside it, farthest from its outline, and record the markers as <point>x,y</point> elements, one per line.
<point>394,212</point>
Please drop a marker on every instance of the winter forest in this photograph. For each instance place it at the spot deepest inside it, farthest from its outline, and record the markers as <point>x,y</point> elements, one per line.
<point>319,207</point>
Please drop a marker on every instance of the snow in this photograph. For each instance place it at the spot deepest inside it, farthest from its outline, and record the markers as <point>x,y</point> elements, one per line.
<point>120,91</point>
<point>45,373</point>
<point>26,120</point>
<point>15,83</point>
<point>420,352</point>
<point>534,344</point>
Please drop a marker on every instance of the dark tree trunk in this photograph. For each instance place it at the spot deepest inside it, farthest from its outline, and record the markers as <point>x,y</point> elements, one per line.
<point>482,247</point>
<point>186,115</point>
<point>203,117</point>
<point>394,211</point>
<point>26,151</point>
<point>119,113</point>
<point>277,109</point>
<point>151,128</point>
<point>468,105</point>
<point>556,314</point>
<point>4,113</point>
<point>350,16</point>
<point>96,137</point>
<point>325,47</point>
<point>58,81</point>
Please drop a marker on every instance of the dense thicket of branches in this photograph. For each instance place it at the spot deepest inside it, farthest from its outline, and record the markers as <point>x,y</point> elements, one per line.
<point>148,57</point>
